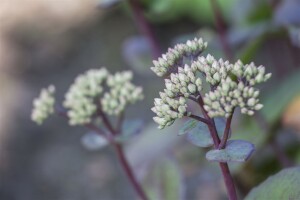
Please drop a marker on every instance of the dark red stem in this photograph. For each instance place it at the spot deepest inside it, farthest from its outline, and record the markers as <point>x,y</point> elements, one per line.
<point>212,127</point>
<point>127,169</point>
<point>144,27</point>
<point>228,181</point>
<point>106,122</point>
<point>231,192</point>
<point>206,121</point>
<point>220,25</point>
<point>223,142</point>
<point>120,153</point>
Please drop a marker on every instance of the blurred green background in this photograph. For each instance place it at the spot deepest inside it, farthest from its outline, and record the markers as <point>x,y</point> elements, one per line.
<point>44,42</point>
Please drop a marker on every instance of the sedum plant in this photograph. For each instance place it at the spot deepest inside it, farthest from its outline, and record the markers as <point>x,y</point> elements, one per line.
<point>97,96</point>
<point>219,88</point>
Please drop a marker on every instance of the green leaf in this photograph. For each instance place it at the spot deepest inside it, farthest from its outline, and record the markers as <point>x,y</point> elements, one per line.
<point>164,181</point>
<point>93,141</point>
<point>198,134</point>
<point>129,129</point>
<point>276,101</point>
<point>235,151</point>
<point>283,185</point>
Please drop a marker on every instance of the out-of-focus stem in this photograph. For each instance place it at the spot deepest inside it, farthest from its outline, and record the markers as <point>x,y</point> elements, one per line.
<point>220,25</point>
<point>127,169</point>
<point>144,27</point>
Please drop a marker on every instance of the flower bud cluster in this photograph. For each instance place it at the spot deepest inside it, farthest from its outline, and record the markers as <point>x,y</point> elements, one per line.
<point>122,92</point>
<point>183,83</point>
<point>164,64</point>
<point>43,106</point>
<point>214,70</point>
<point>79,100</point>
<point>168,109</point>
<point>172,104</point>
<point>229,95</point>
<point>251,73</point>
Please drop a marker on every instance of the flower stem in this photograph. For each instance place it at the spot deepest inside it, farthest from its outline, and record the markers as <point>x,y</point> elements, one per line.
<point>231,192</point>
<point>223,142</point>
<point>145,27</point>
<point>228,181</point>
<point>127,169</point>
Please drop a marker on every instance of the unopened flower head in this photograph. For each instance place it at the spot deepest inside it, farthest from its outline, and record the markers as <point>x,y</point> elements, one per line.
<point>214,70</point>
<point>250,73</point>
<point>79,100</point>
<point>122,92</point>
<point>168,109</point>
<point>229,95</point>
<point>169,61</point>
<point>232,85</point>
<point>43,106</point>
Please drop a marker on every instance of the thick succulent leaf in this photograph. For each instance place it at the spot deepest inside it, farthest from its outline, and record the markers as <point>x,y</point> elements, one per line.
<point>93,141</point>
<point>129,129</point>
<point>276,101</point>
<point>283,185</point>
<point>235,151</point>
<point>198,134</point>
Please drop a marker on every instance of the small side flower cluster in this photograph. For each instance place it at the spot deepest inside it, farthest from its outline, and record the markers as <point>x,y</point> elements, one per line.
<point>168,110</point>
<point>79,100</point>
<point>172,104</point>
<point>252,74</point>
<point>43,106</point>
<point>86,96</point>
<point>232,86</point>
<point>174,56</point>
<point>229,95</point>
<point>122,92</point>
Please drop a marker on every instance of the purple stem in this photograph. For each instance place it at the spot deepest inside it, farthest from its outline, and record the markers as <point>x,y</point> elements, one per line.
<point>223,142</point>
<point>220,24</point>
<point>127,169</point>
<point>208,122</point>
<point>121,156</point>
<point>144,27</point>
<point>118,147</point>
<point>231,192</point>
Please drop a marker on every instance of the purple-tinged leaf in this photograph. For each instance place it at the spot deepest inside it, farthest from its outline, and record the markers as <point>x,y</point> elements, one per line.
<point>198,133</point>
<point>235,151</point>
<point>93,141</point>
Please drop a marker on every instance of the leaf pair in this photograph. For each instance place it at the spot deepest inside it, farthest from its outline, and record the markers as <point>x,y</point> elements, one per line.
<point>198,134</point>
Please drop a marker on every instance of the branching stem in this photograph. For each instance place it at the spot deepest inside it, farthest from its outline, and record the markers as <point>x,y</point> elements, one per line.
<point>231,192</point>
<point>201,119</point>
<point>106,122</point>
<point>118,147</point>
<point>223,142</point>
